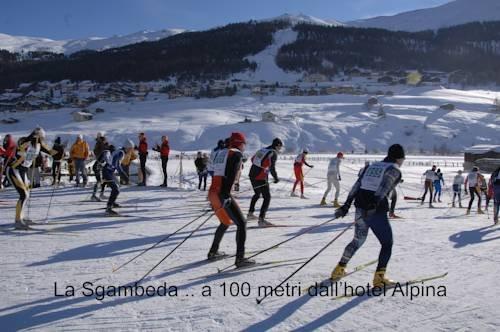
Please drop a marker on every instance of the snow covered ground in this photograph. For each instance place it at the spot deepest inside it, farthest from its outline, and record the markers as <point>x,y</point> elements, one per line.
<point>88,245</point>
<point>321,123</point>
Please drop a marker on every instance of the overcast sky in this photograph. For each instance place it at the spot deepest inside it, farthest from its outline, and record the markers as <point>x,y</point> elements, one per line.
<point>68,19</point>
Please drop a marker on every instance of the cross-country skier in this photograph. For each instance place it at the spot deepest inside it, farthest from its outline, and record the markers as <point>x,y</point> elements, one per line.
<point>300,160</point>
<point>28,149</point>
<point>333,178</point>
<point>430,176</point>
<point>110,161</point>
<point>263,163</point>
<point>458,180</point>
<point>473,182</point>
<point>495,179</point>
<point>226,165</point>
<point>101,145</point>
<point>437,185</point>
<point>164,150</point>
<point>370,194</point>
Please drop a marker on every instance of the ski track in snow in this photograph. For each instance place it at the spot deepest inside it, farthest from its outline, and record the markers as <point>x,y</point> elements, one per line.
<point>426,242</point>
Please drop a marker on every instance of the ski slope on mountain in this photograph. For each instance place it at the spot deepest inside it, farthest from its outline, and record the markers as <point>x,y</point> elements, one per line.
<point>321,123</point>
<point>26,44</point>
<point>85,246</point>
<point>453,13</point>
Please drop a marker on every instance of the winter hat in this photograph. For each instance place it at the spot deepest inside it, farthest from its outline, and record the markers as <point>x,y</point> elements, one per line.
<point>306,151</point>
<point>80,136</point>
<point>395,152</point>
<point>38,132</point>
<point>220,143</point>
<point>340,155</point>
<point>58,140</point>
<point>128,144</point>
<point>237,138</point>
<point>277,142</point>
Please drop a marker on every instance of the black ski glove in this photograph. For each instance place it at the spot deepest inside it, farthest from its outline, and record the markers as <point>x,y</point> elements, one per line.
<point>341,211</point>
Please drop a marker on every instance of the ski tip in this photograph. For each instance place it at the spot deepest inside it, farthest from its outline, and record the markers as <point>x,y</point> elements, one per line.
<point>258,301</point>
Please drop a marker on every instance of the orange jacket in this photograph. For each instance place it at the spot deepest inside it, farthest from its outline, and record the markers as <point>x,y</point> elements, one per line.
<point>80,150</point>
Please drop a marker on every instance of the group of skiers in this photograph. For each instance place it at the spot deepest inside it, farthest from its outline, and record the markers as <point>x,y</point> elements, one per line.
<point>19,162</point>
<point>474,184</point>
<point>376,184</point>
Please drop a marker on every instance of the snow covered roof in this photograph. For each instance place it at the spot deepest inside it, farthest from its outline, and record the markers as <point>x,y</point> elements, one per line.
<point>480,149</point>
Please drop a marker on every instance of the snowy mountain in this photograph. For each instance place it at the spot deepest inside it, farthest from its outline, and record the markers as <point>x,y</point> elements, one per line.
<point>450,14</point>
<point>302,18</point>
<point>22,43</point>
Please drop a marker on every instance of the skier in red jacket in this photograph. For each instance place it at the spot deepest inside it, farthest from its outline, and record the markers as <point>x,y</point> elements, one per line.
<point>300,160</point>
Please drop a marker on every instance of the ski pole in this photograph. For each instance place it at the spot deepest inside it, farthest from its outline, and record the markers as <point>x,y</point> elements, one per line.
<point>32,180</point>
<point>172,251</point>
<point>52,194</point>
<point>157,243</point>
<point>259,301</point>
<point>282,242</point>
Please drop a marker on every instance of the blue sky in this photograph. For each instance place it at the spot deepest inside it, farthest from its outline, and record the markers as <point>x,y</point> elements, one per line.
<point>68,19</point>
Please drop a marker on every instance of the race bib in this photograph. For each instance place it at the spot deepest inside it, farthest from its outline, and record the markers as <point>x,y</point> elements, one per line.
<point>219,162</point>
<point>373,176</point>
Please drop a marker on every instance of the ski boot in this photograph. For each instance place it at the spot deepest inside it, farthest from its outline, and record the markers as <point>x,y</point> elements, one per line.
<point>116,206</point>
<point>495,221</point>
<point>244,262</point>
<point>102,197</point>
<point>338,273</point>
<point>460,205</point>
<point>439,200</point>
<point>479,211</point>
<point>110,212</point>
<point>379,279</point>
<point>467,212</point>
<point>392,215</point>
<point>264,223</point>
<point>293,194</point>
<point>303,197</point>
<point>94,198</point>
<point>453,204</point>
<point>27,221</point>
<point>251,216</point>
<point>431,206</point>
<point>21,226</point>
<point>336,204</point>
<point>323,202</point>
<point>215,256</point>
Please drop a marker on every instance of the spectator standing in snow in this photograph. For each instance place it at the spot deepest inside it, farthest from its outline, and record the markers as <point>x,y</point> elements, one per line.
<point>164,150</point>
<point>79,154</point>
<point>201,163</point>
<point>143,156</point>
